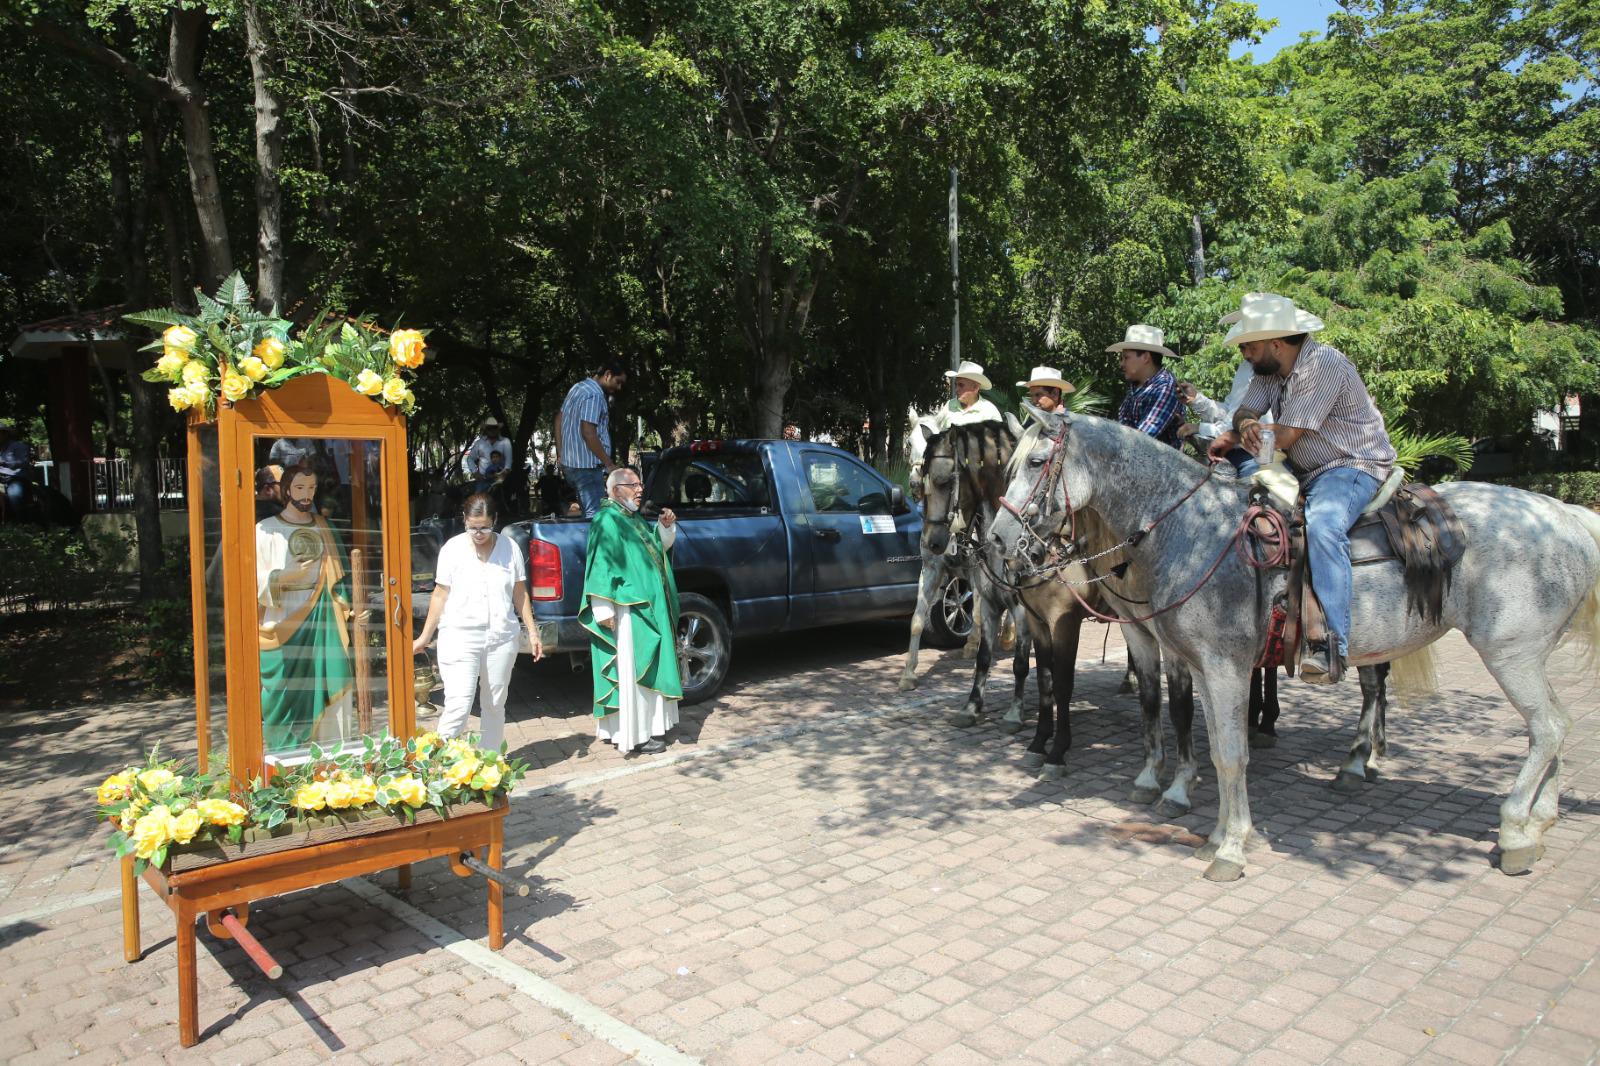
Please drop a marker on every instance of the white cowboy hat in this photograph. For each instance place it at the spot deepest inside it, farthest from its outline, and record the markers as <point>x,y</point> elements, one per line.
<point>1308,322</point>
<point>1046,377</point>
<point>1145,339</point>
<point>491,421</point>
<point>972,372</point>
<point>1268,318</point>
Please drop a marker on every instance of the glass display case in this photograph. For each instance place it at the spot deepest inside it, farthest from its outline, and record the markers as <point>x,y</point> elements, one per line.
<point>301,583</point>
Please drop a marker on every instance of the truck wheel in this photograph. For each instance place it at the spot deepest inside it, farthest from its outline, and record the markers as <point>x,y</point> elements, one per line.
<point>705,647</point>
<point>950,616</point>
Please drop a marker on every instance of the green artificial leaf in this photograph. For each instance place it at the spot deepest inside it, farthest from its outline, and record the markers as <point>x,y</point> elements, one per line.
<point>160,317</point>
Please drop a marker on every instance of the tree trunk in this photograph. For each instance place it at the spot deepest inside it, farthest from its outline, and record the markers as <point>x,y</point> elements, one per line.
<point>1197,249</point>
<point>269,154</point>
<point>157,191</point>
<point>188,26</point>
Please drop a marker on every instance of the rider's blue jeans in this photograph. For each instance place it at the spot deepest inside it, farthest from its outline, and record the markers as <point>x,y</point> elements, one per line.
<point>590,481</point>
<point>16,495</point>
<point>1244,462</point>
<point>1334,500</point>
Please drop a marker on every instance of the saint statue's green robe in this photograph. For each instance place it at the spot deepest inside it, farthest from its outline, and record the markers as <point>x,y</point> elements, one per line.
<point>627,565</point>
<point>304,640</point>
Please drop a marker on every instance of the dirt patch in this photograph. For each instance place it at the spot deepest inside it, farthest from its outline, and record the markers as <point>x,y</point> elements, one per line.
<point>64,659</point>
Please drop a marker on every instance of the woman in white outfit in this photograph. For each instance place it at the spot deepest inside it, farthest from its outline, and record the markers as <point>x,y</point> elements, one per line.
<point>480,591</point>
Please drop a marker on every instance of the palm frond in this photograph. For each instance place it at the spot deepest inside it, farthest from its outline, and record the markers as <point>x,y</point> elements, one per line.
<point>1411,448</point>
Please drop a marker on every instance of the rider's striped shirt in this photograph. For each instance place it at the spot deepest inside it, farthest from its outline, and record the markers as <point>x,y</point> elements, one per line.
<point>1324,394</point>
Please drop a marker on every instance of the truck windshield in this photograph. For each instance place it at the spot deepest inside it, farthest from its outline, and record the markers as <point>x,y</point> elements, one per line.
<point>715,480</point>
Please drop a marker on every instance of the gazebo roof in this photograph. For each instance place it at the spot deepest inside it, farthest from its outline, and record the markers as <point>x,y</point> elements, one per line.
<point>45,339</point>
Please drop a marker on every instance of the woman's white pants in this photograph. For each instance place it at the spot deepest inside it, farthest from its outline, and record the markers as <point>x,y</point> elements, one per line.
<point>468,661</point>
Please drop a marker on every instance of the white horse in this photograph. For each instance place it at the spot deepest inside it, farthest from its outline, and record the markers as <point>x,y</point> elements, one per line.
<point>1529,579</point>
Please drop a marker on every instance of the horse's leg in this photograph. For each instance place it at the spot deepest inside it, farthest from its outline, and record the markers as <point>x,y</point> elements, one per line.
<point>1033,758</point>
<point>1530,808</point>
<point>1175,802</point>
<point>1130,678</point>
<point>1144,655</point>
<point>1263,708</point>
<point>932,569</point>
<point>1064,668</point>
<point>1012,722</point>
<point>1225,691</point>
<point>1380,731</point>
<point>1360,766</point>
<point>987,625</point>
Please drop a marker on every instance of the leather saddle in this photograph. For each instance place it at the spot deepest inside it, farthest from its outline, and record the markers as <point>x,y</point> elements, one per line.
<point>1407,523</point>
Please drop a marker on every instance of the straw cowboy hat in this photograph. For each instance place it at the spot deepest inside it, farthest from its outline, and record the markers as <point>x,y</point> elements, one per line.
<point>1270,317</point>
<point>972,372</point>
<point>491,421</point>
<point>1046,377</point>
<point>1145,339</point>
<point>1308,322</point>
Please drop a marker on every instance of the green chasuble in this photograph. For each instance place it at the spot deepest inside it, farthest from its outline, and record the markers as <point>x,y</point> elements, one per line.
<point>628,566</point>
<point>306,667</point>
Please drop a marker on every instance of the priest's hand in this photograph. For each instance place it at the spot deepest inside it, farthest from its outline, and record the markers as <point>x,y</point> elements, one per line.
<point>668,519</point>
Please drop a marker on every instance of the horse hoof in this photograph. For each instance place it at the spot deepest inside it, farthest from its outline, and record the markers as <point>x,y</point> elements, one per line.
<point>1010,727</point>
<point>1054,772</point>
<point>1349,783</point>
<point>1514,862</point>
<point>1224,870</point>
<point>1206,852</point>
<point>1127,688</point>
<point>1032,760</point>
<point>1372,773</point>
<point>964,720</point>
<point>1172,809</point>
<point>1141,794</point>
<point>1261,741</point>
<point>907,684</point>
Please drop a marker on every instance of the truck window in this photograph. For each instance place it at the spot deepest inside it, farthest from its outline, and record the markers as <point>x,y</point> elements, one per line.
<point>838,485</point>
<point>714,480</point>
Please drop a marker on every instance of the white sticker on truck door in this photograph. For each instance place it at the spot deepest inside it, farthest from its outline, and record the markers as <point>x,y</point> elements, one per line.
<point>877,523</point>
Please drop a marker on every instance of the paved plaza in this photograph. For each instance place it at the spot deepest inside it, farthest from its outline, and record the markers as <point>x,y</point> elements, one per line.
<point>823,870</point>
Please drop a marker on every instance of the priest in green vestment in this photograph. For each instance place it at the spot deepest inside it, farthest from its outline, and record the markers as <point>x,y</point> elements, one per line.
<point>303,605</point>
<point>630,608</point>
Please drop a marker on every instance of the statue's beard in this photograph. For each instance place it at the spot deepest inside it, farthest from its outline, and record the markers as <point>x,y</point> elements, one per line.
<point>303,506</point>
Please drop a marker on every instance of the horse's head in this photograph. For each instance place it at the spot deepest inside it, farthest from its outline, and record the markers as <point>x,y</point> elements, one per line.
<point>940,486</point>
<point>1036,504</point>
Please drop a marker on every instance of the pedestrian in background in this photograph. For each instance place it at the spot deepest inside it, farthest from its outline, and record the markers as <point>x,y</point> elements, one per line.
<point>583,434</point>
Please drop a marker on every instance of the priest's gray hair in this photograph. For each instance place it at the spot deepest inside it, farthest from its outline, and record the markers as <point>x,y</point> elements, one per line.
<point>614,478</point>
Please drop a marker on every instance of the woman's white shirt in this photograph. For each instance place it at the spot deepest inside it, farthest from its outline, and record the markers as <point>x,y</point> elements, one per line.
<point>480,590</point>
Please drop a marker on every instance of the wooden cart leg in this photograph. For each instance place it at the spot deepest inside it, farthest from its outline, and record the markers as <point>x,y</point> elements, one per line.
<point>404,874</point>
<point>188,986</point>
<point>497,923</point>
<point>130,911</point>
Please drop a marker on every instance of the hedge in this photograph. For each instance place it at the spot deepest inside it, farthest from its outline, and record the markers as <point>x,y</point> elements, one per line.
<point>1575,486</point>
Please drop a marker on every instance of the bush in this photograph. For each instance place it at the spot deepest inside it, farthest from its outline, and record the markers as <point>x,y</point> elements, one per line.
<point>1581,487</point>
<point>60,569</point>
<point>166,630</point>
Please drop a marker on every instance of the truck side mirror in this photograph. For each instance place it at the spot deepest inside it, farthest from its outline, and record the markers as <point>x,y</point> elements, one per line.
<point>897,499</point>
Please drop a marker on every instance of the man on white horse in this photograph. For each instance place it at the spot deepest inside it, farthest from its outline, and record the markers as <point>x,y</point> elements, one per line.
<point>966,406</point>
<point>1047,389</point>
<point>1336,441</point>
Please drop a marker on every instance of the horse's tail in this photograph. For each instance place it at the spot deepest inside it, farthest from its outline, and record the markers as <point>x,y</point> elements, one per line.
<point>1415,676</point>
<point>1585,625</point>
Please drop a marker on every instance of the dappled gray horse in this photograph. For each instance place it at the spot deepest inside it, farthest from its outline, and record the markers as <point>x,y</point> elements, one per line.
<point>1530,578</point>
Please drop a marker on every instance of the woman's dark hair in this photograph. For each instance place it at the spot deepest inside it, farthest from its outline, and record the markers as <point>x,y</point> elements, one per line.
<point>480,505</point>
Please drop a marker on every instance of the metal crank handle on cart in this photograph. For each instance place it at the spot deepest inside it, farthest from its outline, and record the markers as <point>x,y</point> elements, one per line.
<point>499,877</point>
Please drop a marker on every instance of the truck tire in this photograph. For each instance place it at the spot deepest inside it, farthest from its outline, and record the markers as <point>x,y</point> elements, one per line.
<point>950,617</point>
<point>705,647</point>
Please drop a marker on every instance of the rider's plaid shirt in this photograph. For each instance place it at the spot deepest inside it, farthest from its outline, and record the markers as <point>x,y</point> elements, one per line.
<point>1324,394</point>
<point>1153,408</point>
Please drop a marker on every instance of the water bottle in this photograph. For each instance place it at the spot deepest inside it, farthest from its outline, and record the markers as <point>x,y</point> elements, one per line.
<point>1269,446</point>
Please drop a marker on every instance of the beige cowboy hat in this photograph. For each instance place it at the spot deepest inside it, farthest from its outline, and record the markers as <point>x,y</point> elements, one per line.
<point>491,421</point>
<point>1145,339</point>
<point>972,372</point>
<point>1308,322</point>
<point>1046,377</point>
<point>1270,317</point>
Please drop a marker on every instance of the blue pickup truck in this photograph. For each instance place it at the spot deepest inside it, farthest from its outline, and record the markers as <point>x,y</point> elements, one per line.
<point>773,536</point>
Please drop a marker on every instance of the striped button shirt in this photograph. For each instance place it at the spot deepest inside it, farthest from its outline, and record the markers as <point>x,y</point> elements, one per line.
<point>1153,407</point>
<point>1325,396</point>
<point>585,402</point>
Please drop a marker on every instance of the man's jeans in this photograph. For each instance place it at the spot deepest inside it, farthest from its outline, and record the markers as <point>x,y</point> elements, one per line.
<point>16,495</point>
<point>1244,462</point>
<point>590,481</point>
<point>1334,501</point>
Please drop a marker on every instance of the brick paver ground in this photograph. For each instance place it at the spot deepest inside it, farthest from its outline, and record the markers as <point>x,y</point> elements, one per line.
<point>822,870</point>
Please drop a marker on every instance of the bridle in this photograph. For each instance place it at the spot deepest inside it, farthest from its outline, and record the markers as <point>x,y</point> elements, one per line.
<point>1276,536</point>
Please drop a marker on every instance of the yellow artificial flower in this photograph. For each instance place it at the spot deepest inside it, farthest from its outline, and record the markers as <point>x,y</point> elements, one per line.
<point>179,398</point>
<point>405,348</point>
<point>127,820</point>
<point>199,395</point>
<point>186,825</point>
<point>221,812</point>
<point>426,742</point>
<point>362,791</point>
<point>340,795</point>
<point>369,383</point>
<point>460,773</point>
<point>491,775</point>
<point>253,368</point>
<point>154,779</point>
<point>171,364</point>
<point>196,373</point>
<point>311,797</point>
<point>178,339</point>
<point>270,351</point>
<point>395,391</point>
<point>152,832</point>
<point>114,788</point>
<point>409,790</point>
<point>235,386</point>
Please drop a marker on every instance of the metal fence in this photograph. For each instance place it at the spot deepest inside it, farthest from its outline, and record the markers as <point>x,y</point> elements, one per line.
<point>111,481</point>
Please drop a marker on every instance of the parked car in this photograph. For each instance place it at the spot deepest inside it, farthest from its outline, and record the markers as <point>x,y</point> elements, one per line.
<point>773,537</point>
